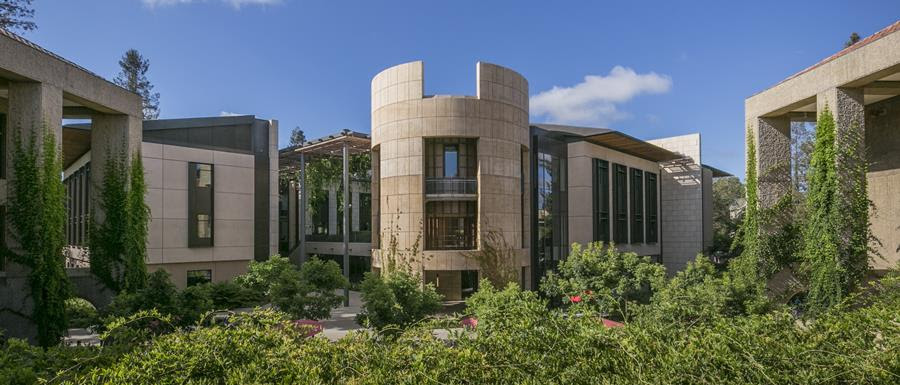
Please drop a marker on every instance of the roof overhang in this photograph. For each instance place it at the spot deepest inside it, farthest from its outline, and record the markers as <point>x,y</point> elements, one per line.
<point>331,145</point>
<point>612,139</point>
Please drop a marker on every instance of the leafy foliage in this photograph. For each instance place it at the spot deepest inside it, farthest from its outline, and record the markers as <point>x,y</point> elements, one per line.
<point>81,313</point>
<point>133,77</point>
<point>836,235</point>
<point>603,277</point>
<point>728,211</point>
<point>396,300</point>
<point>496,258</point>
<point>118,241</point>
<point>37,217</point>
<point>136,228</point>
<point>308,293</point>
<point>15,14</point>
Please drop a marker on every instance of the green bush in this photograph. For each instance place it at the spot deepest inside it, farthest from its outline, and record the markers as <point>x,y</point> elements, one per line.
<point>81,313</point>
<point>396,300</point>
<point>602,277</point>
<point>261,275</point>
<point>308,293</point>
<point>160,294</point>
<point>696,294</point>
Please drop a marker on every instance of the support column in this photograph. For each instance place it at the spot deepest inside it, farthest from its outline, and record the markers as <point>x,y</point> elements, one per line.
<point>302,215</point>
<point>848,108</point>
<point>346,228</point>
<point>32,108</point>
<point>112,136</point>
<point>773,159</point>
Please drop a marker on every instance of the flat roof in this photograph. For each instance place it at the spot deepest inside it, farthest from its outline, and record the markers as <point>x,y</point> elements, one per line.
<point>331,145</point>
<point>615,140</point>
<point>862,43</point>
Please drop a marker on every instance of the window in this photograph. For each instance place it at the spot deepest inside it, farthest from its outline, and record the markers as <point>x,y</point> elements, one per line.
<point>450,225</point>
<point>198,277</point>
<point>637,206</point>
<point>3,236</point>
<point>320,214</point>
<point>365,212</point>
<point>200,205</point>
<point>451,161</point>
<point>620,203</point>
<point>601,200</point>
<point>652,208</point>
<point>2,146</point>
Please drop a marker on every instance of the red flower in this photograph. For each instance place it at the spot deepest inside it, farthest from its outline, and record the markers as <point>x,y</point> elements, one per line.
<point>575,298</point>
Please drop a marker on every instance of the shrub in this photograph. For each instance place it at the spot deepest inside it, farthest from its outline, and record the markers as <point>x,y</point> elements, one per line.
<point>396,300</point>
<point>160,294</point>
<point>261,275</point>
<point>695,294</point>
<point>81,313</point>
<point>310,291</point>
<point>605,278</point>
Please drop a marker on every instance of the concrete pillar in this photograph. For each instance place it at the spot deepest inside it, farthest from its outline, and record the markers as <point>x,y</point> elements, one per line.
<point>773,158</point>
<point>346,220</point>
<point>32,107</point>
<point>848,108</point>
<point>111,135</point>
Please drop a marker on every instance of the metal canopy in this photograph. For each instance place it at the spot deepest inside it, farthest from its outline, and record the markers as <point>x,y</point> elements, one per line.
<point>615,140</point>
<point>341,145</point>
<point>331,145</point>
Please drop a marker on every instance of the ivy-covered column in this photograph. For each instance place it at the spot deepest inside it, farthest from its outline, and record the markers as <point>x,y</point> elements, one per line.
<point>773,162</point>
<point>112,135</point>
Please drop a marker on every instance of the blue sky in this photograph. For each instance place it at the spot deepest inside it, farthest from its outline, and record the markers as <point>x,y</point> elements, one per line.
<point>648,68</point>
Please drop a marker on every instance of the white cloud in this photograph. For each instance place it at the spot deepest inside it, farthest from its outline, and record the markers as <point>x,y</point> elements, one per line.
<point>228,113</point>
<point>237,4</point>
<point>594,101</point>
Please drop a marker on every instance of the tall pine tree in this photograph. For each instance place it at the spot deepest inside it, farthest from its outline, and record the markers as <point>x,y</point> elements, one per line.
<point>133,77</point>
<point>15,15</point>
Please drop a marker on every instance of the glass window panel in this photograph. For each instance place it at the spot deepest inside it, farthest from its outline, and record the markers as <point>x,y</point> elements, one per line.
<point>451,161</point>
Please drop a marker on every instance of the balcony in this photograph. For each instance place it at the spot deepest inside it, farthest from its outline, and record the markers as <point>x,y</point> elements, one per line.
<point>451,188</point>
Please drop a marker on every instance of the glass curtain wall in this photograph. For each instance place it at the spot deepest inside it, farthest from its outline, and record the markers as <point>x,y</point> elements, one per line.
<point>550,203</point>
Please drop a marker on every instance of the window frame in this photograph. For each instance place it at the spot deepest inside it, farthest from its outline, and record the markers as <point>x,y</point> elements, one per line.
<point>651,191</point>
<point>620,203</point>
<point>636,196</point>
<point>601,195</point>
<point>201,201</point>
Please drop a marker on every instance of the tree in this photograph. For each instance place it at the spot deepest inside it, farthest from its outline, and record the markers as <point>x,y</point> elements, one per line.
<point>728,211</point>
<point>37,217</point>
<point>297,137</point>
<point>14,14</point>
<point>133,77</point>
<point>854,38</point>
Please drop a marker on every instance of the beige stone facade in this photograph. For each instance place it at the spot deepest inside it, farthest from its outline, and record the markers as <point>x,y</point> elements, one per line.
<point>859,85</point>
<point>403,118</point>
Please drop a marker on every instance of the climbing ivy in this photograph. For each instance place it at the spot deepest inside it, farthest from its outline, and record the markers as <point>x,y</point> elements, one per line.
<point>106,237</point>
<point>746,270</point>
<point>836,234</point>
<point>37,219</point>
<point>136,229</point>
<point>118,244</point>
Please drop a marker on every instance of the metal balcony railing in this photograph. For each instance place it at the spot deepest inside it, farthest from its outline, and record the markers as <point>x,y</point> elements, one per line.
<point>455,186</point>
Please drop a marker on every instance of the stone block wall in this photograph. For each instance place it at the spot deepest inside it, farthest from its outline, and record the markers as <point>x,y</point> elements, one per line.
<point>403,117</point>
<point>681,202</point>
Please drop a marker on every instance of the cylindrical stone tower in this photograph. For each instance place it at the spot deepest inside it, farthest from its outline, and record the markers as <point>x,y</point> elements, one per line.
<point>450,173</point>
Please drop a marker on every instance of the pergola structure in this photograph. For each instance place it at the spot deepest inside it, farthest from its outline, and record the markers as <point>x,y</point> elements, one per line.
<point>293,158</point>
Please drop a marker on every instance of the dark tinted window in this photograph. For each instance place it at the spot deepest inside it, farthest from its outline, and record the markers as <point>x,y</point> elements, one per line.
<point>200,204</point>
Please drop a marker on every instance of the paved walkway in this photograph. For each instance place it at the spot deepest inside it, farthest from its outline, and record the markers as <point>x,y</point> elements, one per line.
<point>343,319</point>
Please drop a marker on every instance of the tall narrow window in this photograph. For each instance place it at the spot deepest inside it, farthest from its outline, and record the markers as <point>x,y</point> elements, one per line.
<point>365,212</point>
<point>637,206</point>
<point>200,205</point>
<point>601,200</point>
<point>652,209</point>
<point>3,146</point>
<point>3,236</point>
<point>451,161</point>
<point>620,203</point>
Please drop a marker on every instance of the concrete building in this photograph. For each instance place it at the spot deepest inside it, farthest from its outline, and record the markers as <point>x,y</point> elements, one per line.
<point>211,189</point>
<point>448,170</point>
<point>38,89</point>
<point>859,85</point>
